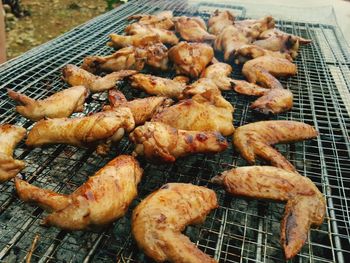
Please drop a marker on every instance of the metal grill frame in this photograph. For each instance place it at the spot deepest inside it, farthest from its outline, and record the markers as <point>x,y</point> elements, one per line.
<point>240,230</point>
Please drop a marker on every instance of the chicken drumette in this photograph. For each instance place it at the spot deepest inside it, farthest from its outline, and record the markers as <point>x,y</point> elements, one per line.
<point>61,104</point>
<point>158,141</point>
<point>305,203</point>
<point>105,197</point>
<point>191,58</point>
<point>10,136</point>
<point>255,139</point>
<point>157,222</point>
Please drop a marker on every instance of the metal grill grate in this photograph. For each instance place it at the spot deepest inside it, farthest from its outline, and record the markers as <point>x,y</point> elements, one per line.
<point>239,230</point>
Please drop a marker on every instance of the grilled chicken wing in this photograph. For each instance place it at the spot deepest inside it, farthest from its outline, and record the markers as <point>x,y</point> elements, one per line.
<point>219,20</point>
<point>105,196</point>
<point>76,76</point>
<point>191,58</point>
<point>305,203</point>
<point>193,29</point>
<point>219,73</point>
<point>255,139</point>
<point>140,40</point>
<point>10,136</point>
<point>166,36</point>
<point>248,52</point>
<point>61,104</point>
<point>242,32</point>
<point>157,222</point>
<point>154,85</point>
<point>101,126</point>
<point>129,58</point>
<point>141,109</point>
<point>162,20</point>
<point>200,86</point>
<point>160,141</point>
<point>208,111</point>
<point>276,32</point>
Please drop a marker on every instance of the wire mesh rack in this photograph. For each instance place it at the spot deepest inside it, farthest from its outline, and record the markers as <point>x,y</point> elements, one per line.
<point>240,230</point>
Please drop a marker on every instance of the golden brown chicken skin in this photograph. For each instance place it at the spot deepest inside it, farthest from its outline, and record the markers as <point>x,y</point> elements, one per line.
<point>101,200</point>
<point>305,203</point>
<point>158,141</point>
<point>75,76</point>
<point>101,126</point>
<point>256,140</point>
<point>193,29</point>
<point>10,136</point>
<point>219,73</point>
<point>219,20</point>
<point>190,59</point>
<point>141,109</point>
<point>59,105</point>
<point>162,20</point>
<point>140,40</point>
<point>208,111</point>
<point>157,222</point>
<point>133,58</point>
<point>154,85</point>
<point>166,36</point>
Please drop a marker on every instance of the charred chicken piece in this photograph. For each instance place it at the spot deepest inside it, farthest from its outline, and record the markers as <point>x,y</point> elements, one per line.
<point>166,36</point>
<point>157,222</point>
<point>140,40</point>
<point>219,20</point>
<point>162,20</point>
<point>141,109</point>
<point>248,52</point>
<point>129,58</point>
<point>154,85</point>
<point>74,76</point>
<point>159,141</point>
<point>255,140</point>
<point>101,200</point>
<point>208,111</point>
<point>305,207</point>
<point>101,126</point>
<point>59,105</point>
<point>191,59</point>
<point>193,29</point>
<point>10,136</point>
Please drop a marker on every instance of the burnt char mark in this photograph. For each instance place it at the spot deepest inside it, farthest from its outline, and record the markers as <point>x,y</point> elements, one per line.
<point>202,137</point>
<point>290,225</point>
<point>166,186</point>
<point>219,138</point>
<point>189,139</point>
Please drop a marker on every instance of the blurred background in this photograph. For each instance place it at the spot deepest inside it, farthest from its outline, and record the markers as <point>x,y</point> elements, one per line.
<point>29,23</point>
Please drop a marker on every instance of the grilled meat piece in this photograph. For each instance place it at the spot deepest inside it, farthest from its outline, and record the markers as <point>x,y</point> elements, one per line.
<point>192,29</point>
<point>101,126</point>
<point>305,203</point>
<point>59,105</point>
<point>200,86</point>
<point>154,85</point>
<point>255,139</point>
<point>162,20</point>
<point>207,111</point>
<point>140,40</point>
<point>129,58</point>
<point>219,73</point>
<point>232,37</point>
<point>101,200</point>
<point>219,20</point>
<point>157,222</point>
<point>76,76</point>
<point>190,59</point>
<point>10,136</point>
<point>160,141</point>
<point>166,36</point>
<point>141,109</point>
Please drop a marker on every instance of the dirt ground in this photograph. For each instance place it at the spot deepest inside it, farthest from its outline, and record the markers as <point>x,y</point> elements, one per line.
<point>47,20</point>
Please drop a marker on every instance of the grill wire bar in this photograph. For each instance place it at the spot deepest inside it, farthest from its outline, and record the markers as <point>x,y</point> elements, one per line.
<point>240,230</point>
